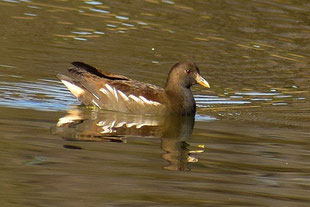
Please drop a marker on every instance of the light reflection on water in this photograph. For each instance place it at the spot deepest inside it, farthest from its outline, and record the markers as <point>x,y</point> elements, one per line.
<point>52,95</point>
<point>96,126</point>
<point>43,95</point>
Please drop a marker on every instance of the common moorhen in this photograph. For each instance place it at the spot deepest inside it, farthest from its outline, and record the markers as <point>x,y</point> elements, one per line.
<point>118,93</point>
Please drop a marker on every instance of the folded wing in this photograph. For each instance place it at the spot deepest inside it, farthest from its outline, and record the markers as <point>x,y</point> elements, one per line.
<point>113,92</point>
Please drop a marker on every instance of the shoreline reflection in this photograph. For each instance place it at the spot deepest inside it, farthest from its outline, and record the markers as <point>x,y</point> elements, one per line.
<point>105,126</point>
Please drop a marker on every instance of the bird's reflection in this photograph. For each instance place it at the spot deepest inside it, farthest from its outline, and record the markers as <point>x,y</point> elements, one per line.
<point>105,126</point>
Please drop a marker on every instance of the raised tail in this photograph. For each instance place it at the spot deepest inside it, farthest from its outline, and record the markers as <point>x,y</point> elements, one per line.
<point>80,92</point>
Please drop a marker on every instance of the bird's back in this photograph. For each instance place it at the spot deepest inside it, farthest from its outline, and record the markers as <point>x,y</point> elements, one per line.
<point>113,92</point>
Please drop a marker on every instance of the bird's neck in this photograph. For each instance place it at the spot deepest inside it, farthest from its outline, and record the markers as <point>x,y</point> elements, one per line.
<point>181,100</point>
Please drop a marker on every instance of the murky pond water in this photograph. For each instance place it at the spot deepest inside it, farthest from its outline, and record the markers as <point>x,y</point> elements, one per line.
<point>249,144</point>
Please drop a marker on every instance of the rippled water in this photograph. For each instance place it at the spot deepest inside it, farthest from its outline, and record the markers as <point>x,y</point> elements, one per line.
<point>249,144</point>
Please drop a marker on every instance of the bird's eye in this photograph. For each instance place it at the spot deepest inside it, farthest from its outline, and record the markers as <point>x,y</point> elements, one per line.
<point>188,71</point>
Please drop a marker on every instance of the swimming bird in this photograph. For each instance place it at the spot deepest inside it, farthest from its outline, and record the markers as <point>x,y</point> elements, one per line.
<point>109,91</point>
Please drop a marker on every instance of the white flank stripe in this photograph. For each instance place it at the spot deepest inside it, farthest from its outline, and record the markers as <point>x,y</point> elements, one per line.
<point>75,90</point>
<point>104,91</point>
<point>148,101</point>
<point>123,95</point>
<point>156,103</point>
<point>109,88</point>
<point>136,99</point>
<point>144,99</point>
<point>115,94</point>
<point>95,103</point>
<point>96,96</point>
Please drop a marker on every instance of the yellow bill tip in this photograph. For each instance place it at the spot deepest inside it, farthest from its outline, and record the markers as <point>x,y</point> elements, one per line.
<point>200,80</point>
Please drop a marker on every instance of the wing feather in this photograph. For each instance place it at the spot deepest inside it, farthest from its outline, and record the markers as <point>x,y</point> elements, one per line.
<point>116,92</point>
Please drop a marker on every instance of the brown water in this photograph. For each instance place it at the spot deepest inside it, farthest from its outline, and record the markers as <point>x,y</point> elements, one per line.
<point>250,145</point>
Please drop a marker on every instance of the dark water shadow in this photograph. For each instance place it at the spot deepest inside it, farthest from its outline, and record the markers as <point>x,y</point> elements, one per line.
<point>105,126</point>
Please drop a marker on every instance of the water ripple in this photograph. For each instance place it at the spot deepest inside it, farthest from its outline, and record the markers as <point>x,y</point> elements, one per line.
<point>250,98</point>
<point>43,95</point>
<point>99,10</point>
<point>93,2</point>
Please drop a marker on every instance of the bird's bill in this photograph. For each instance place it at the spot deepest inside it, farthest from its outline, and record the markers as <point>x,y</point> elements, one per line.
<point>200,80</point>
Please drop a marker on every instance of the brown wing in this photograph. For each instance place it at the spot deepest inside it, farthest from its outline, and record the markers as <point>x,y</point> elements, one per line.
<point>135,96</point>
<point>116,92</point>
<point>126,96</point>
